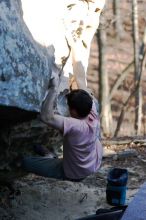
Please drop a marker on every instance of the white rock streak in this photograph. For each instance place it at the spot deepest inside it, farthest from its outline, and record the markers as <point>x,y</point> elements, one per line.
<point>50,21</point>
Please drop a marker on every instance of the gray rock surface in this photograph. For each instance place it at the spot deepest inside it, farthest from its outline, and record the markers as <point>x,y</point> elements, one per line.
<point>25,65</point>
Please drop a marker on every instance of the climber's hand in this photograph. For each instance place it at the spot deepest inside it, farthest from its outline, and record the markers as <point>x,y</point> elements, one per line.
<point>55,78</point>
<point>54,82</point>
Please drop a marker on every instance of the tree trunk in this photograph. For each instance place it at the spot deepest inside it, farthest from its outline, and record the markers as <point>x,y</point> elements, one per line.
<point>142,54</point>
<point>118,22</point>
<point>105,108</point>
<point>138,96</point>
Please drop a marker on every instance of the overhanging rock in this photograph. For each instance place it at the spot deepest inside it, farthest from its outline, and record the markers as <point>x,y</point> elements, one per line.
<point>25,65</point>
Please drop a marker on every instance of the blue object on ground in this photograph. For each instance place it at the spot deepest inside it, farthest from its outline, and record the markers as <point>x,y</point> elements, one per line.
<point>116,186</point>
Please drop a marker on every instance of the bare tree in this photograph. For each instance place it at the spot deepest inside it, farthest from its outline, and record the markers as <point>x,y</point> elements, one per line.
<point>118,21</point>
<point>138,94</point>
<point>123,74</point>
<point>106,116</point>
<point>142,53</point>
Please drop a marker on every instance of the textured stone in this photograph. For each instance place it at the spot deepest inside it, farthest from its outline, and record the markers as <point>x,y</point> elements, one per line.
<point>25,65</point>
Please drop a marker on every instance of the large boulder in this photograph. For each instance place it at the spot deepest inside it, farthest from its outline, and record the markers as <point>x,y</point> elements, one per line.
<point>25,65</point>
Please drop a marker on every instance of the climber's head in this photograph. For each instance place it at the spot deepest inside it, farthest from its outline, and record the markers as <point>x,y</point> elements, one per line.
<point>79,102</point>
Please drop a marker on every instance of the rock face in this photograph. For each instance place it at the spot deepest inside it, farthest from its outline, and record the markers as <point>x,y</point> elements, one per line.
<point>25,66</point>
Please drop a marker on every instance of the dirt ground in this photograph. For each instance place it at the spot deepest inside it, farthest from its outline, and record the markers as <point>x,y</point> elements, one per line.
<point>37,198</point>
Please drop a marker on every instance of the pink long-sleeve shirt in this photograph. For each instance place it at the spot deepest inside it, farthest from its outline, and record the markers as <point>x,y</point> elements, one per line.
<point>82,149</point>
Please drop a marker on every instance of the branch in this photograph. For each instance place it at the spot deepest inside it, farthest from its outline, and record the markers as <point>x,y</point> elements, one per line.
<point>124,108</point>
<point>119,80</point>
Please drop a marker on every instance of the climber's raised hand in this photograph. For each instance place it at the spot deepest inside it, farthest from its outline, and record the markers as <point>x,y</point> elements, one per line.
<point>55,78</point>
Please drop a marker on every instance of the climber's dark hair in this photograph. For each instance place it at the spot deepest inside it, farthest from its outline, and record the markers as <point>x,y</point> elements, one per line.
<point>81,101</point>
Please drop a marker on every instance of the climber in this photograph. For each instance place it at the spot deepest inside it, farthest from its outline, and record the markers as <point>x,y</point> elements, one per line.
<point>82,150</point>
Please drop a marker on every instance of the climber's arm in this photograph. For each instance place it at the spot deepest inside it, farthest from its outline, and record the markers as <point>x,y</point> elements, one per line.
<point>47,110</point>
<point>78,68</point>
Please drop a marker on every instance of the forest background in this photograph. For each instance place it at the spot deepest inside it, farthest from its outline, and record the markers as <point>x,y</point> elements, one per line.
<point>117,64</point>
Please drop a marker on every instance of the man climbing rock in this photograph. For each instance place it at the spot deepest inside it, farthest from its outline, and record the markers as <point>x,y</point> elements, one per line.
<point>82,150</point>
